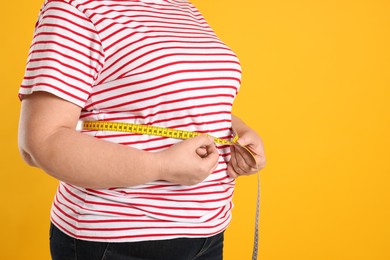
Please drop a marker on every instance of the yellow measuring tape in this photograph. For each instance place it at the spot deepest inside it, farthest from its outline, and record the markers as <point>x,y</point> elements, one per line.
<point>178,134</point>
<point>160,131</point>
<point>149,130</point>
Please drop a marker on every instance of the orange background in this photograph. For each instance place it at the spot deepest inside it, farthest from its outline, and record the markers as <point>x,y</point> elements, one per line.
<point>316,87</point>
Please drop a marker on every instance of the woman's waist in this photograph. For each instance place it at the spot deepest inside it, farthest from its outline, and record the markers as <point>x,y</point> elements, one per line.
<point>218,126</point>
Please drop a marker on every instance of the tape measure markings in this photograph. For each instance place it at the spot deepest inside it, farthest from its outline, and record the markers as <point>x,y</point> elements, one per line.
<point>150,130</point>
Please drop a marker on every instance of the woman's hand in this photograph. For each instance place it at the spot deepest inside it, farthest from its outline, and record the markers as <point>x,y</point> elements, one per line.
<point>242,162</point>
<point>189,162</point>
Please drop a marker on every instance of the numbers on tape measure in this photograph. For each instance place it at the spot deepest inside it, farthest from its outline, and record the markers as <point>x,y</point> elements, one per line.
<point>148,130</point>
<point>162,131</point>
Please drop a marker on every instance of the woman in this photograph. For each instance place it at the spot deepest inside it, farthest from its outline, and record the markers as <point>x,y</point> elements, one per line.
<point>124,195</point>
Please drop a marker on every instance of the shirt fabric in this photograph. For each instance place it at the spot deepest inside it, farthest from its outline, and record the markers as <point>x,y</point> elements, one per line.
<point>153,62</point>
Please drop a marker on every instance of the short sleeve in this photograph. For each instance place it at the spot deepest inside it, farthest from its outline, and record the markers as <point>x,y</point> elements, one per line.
<point>66,54</point>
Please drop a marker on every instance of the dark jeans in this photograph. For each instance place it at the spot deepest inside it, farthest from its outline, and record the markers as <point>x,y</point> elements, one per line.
<point>64,247</point>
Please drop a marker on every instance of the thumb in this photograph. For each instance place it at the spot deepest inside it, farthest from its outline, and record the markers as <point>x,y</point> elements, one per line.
<point>202,151</point>
<point>243,140</point>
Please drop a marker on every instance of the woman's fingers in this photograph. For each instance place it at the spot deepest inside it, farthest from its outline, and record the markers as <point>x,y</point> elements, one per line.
<point>244,161</point>
<point>248,159</point>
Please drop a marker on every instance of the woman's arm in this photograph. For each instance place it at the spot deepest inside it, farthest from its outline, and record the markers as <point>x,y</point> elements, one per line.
<point>241,162</point>
<point>48,140</point>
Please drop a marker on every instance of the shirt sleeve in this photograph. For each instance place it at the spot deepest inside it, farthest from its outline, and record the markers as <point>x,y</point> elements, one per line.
<point>66,54</point>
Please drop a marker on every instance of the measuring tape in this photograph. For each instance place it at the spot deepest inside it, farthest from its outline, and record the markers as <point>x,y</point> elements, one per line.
<point>178,134</point>
<point>149,130</point>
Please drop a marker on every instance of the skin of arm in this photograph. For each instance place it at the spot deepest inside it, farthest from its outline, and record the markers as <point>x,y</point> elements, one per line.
<point>239,163</point>
<point>48,140</point>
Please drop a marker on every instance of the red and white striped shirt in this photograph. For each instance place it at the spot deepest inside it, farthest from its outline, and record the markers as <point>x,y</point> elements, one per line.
<point>154,62</point>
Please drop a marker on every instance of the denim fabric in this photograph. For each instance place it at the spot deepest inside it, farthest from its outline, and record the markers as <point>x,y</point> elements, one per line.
<point>64,247</point>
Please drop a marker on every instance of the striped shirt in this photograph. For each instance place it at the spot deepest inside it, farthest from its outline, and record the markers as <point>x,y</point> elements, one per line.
<point>154,62</point>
